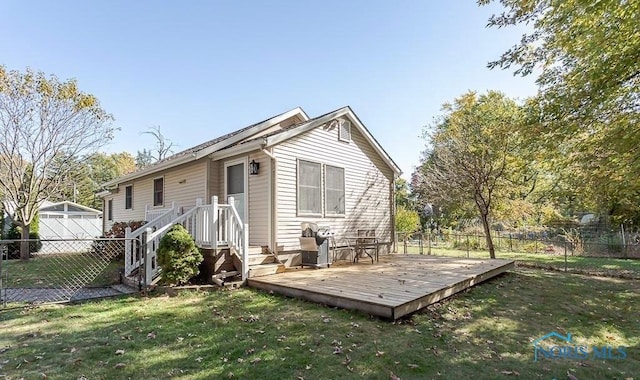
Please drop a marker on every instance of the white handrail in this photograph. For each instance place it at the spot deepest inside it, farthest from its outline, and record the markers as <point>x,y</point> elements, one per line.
<point>210,225</point>
<point>131,261</point>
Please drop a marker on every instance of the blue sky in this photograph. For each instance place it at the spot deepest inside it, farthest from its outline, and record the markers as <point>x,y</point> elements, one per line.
<point>199,69</point>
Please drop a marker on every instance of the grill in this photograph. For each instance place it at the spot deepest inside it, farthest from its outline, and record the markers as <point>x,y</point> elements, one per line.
<point>314,245</point>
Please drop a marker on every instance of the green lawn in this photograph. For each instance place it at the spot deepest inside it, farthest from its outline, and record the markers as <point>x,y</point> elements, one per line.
<point>483,333</point>
<point>602,266</point>
<point>51,270</point>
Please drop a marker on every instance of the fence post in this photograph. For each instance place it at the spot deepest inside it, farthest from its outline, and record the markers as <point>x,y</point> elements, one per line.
<point>429,243</point>
<point>213,223</point>
<point>420,243</point>
<point>3,291</point>
<point>404,243</point>
<point>565,256</point>
<point>467,245</point>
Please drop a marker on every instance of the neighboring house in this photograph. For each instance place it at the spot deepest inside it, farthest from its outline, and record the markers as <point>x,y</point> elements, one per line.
<point>281,171</point>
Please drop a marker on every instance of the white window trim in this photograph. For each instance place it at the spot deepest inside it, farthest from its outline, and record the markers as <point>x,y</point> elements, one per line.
<point>245,161</point>
<point>342,122</point>
<point>131,186</point>
<point>302,213</point>
<point>327,213</point>
<point>164,194</point>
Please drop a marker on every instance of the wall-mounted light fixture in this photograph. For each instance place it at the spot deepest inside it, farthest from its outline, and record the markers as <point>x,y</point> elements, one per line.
<point>254,167</point>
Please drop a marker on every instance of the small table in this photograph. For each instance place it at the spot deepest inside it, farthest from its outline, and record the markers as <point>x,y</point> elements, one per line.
<point>364,245</point>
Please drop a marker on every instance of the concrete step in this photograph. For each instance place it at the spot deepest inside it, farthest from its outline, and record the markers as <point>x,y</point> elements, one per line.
<point>265,270</point>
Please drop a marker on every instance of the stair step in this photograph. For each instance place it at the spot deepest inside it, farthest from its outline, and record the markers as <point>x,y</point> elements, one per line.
<point>259,259</point>
<point>255,250</point>
<point>265,270</point>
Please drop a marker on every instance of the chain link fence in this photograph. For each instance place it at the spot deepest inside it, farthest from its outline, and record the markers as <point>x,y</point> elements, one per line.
<point>571,252</point>
<point>61,270</point>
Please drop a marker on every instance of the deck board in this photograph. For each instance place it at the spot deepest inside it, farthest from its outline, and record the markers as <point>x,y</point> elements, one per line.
<point>396,286</point>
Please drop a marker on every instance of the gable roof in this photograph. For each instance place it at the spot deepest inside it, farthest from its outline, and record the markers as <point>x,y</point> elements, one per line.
<point>241,141</point>
<point>277,137</point>
<point>208,147</point>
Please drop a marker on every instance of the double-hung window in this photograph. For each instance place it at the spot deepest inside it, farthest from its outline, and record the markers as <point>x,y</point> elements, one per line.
<point>309,188</point>
<point>334,190</point>
<point>321,190</point>
<point>128,197</point>
<point>158,191</point>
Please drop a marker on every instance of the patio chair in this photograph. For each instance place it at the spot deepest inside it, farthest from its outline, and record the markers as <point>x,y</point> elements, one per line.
<point>341,248</point>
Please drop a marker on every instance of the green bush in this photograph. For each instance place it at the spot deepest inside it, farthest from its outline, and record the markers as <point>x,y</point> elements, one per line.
<point>178,256</point>
<point>15,233</point>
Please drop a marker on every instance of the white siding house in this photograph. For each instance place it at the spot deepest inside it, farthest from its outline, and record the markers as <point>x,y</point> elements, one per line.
<point>329,170</point>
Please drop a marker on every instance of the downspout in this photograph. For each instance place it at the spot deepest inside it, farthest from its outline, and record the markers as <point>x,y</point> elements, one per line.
<point>272,220</point>
<point>394,246</point>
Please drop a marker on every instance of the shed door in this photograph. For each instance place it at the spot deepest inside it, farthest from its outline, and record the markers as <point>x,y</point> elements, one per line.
<point>235,186</point>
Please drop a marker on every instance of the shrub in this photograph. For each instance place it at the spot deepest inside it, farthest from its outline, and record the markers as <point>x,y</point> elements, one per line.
<point>15,233</point>
<point>117,228</point>
<point>178,256</point>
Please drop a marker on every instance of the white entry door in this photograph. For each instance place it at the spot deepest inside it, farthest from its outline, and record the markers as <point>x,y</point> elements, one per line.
<point>235,186</point>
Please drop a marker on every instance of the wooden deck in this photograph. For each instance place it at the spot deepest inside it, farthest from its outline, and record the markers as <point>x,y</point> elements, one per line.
<point>396,286</point>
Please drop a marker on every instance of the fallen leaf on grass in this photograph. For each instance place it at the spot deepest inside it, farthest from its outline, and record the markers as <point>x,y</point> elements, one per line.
<point>119,365</point>
<point>256,360</point>
<point>308,367</point>
<point>326,320</point>
<point>119,352</point>
<point>199,359</point>
<point>514,373</point>
<point>379,353</point>
<point>412,365</point>
<point>337,350</point>
<point>392,376</point>
<point>151,335</point>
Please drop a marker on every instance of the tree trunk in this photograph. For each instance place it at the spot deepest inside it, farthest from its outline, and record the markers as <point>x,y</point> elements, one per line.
<point>487,233</point>
<point>24,243</point>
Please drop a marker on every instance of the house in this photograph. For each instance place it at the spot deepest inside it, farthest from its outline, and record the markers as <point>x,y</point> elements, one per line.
<point>279,172</point>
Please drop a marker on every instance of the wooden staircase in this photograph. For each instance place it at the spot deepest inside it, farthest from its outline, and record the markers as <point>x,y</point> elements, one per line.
<point>262,262</point>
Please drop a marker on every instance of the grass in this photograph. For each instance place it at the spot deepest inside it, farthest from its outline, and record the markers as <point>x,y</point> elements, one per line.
<point>51,270</point>
<point>484,333</point>
<point>601,266</point>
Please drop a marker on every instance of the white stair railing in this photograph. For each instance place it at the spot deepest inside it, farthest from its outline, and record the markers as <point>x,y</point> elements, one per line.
<point>132,250</point>
<point>210,225</point>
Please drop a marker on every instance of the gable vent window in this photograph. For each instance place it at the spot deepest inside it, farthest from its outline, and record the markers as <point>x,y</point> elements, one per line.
<point>344,130</point>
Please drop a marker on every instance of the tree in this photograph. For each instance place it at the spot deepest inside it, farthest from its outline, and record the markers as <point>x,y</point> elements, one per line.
<point>407,221</point>
<point>45,125</point>
<point>472,155</point>
<point>163,147</point>
<point>587,54</point>
<point>91,172</point>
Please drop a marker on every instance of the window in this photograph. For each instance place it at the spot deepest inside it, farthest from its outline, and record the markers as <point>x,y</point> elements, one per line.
<point>344,130</point>
<point>128,197</point>
<point>158,191</point>
<point>309,188</point>
<point>110,209</point>
<point>334,190</point>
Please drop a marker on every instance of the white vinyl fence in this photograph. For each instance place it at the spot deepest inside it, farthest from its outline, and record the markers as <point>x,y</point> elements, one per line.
<point>68,229</point>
